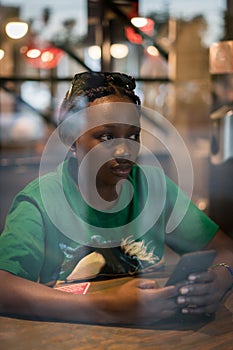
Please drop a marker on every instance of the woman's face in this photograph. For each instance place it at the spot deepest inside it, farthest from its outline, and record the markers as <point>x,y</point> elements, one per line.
<point>110,148</point>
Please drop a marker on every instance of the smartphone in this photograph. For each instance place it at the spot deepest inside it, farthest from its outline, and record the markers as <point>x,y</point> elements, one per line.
<point>194,262</point>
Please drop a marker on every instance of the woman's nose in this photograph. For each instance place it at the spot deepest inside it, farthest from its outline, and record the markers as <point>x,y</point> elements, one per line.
<point>122,150</point>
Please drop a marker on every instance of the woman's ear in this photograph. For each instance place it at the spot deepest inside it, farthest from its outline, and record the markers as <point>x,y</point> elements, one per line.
<point>73,149</point>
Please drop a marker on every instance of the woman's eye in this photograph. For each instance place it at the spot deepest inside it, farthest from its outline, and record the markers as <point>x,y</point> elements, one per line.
<point>106,137</point>
<point>134,137</point>
<point>110,136</point>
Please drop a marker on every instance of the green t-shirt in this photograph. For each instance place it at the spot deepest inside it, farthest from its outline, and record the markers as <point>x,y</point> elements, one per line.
<point>52,232</point>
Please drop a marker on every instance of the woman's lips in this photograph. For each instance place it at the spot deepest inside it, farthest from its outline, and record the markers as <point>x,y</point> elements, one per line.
<point>122,170</point>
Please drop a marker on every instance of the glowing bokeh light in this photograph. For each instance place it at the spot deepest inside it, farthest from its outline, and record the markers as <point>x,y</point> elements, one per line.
<point>119,51</point>
<point>16,30</point>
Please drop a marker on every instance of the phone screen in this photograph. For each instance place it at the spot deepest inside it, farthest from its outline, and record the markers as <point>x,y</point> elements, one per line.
<point>189,263</point>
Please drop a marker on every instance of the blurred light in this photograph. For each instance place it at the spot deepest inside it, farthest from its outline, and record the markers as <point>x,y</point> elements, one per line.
<point>47,56</point>
<point>16,30</point>
<point>33,53</point>
<point>202,204</point>
<point>30,89</point>
<point>94,52</point>
<point>119,50</point>
<point>27,128</point>
<point>152,51</point>
<point>132,36</point>
<point>139,22</point>
<point>146,25</point>
<point>2,54</point>
<point>44,58</point>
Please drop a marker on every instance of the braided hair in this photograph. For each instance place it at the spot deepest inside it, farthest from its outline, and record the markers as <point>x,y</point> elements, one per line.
<point>86,87</point>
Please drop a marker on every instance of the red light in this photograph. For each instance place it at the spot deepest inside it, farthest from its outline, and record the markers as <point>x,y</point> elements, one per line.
<point>43,58</point>
<point>136,38</point>
<point>132,36</point>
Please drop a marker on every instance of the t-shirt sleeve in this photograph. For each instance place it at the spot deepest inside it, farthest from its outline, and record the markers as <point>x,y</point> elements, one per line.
<point>194,230</point>
<point>22,241</point>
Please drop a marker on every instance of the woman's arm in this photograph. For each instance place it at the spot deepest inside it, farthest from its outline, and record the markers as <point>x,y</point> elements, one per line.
<point>22,297</point>
<point>137,301</point>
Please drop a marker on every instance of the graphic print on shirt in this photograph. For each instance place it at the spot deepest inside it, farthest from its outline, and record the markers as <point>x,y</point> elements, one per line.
<point>85,262</point>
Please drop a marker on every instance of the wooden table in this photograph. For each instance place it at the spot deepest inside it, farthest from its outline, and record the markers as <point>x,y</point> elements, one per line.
<point>184,333</point>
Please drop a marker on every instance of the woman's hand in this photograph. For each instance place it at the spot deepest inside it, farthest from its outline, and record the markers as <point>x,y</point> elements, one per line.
<point>205,291</point>
<point>202,294</point>
<point>140,301</point>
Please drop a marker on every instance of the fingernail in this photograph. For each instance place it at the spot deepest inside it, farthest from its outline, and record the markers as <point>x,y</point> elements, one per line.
<point>192,278</point>
<point>184,290</point>
<point>180,300</point>
<point>184,311</point>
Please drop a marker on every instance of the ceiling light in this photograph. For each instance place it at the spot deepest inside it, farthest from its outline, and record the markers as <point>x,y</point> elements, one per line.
<point>47,56</point>
<point>42,58</point>
<point>152,51</point>
<point>16,30</point>
<point>139,22</point>
<point>119,50</point>
<point>33,53</point>
<point>94,52</point>
<point>145,25</point>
